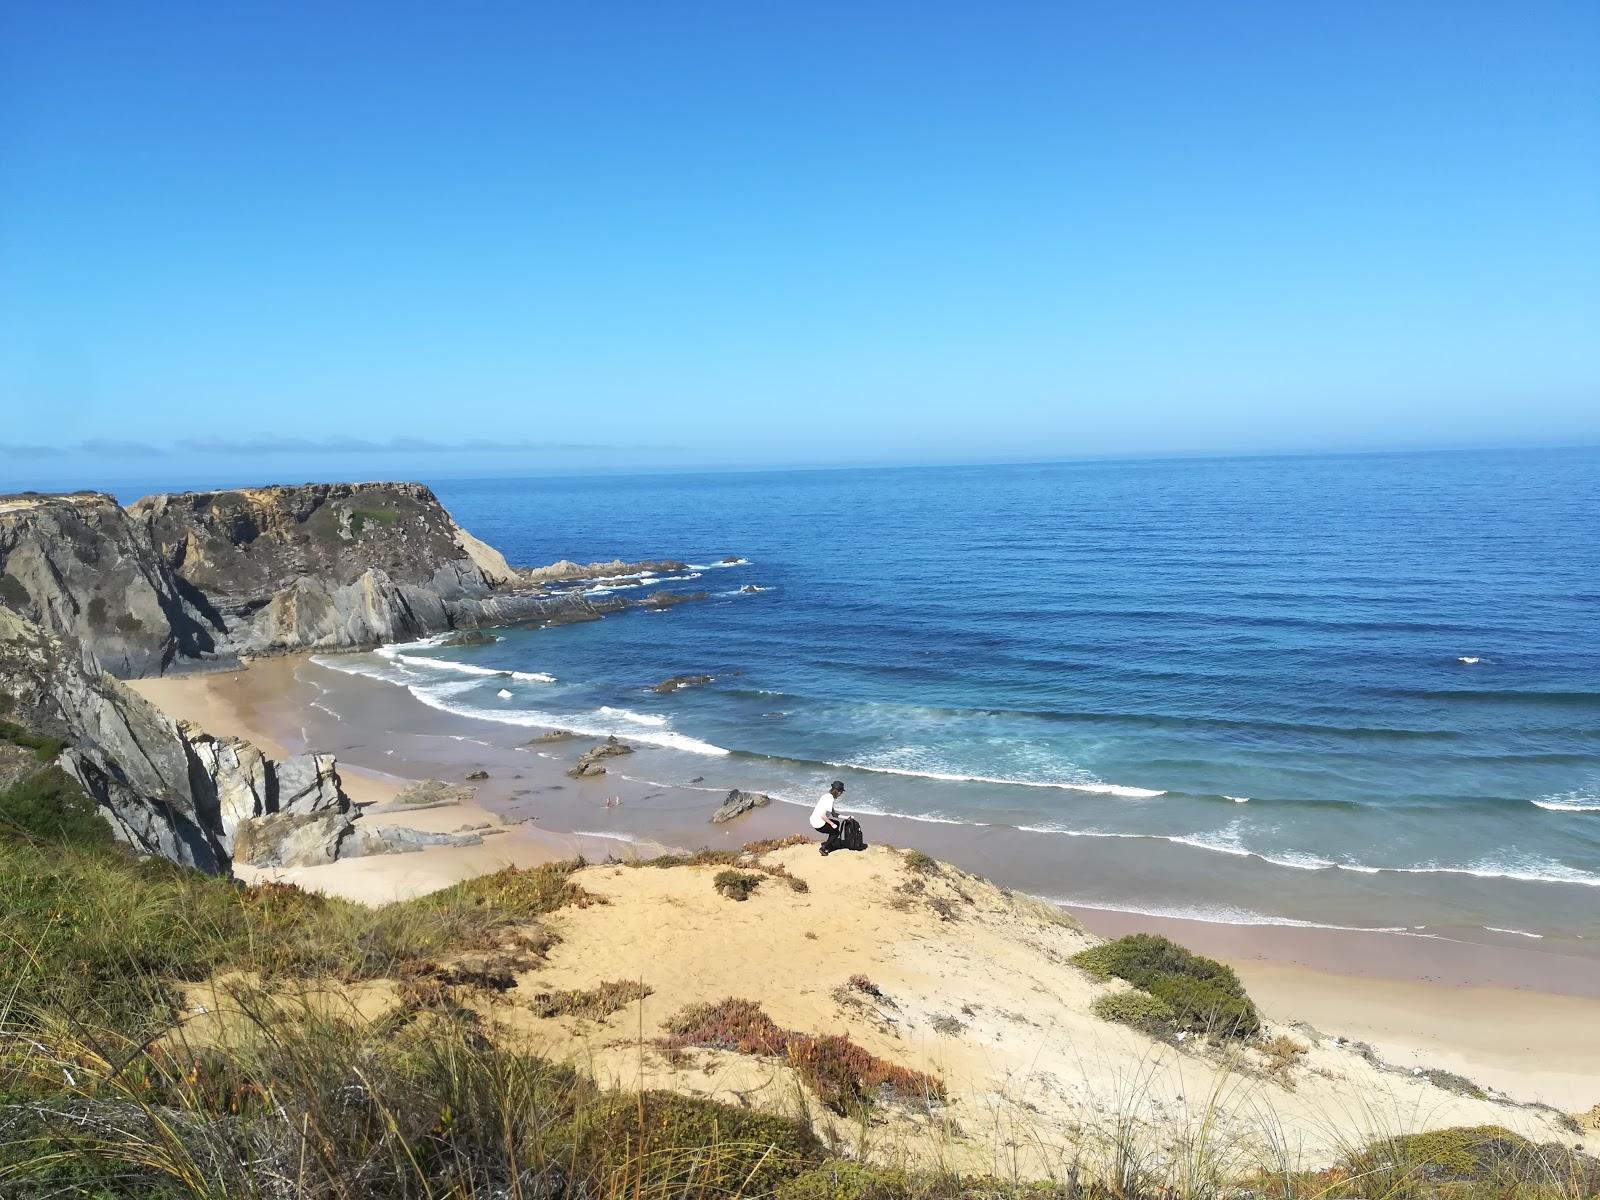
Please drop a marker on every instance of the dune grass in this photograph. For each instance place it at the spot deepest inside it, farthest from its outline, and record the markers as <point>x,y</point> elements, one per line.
<point>108,1092</point>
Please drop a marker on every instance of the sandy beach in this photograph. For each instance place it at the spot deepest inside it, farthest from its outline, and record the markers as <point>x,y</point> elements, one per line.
<point>1513,1020</point>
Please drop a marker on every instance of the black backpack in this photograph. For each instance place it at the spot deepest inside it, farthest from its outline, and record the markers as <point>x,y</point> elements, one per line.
<point>850,834</point>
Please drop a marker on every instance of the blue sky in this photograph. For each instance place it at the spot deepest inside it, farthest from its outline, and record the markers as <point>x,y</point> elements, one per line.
<point>252,241</point>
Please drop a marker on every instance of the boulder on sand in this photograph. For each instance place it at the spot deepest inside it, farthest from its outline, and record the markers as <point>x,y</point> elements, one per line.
<point>291,839</point>
<point>737,804</point>
<point>588,763</point>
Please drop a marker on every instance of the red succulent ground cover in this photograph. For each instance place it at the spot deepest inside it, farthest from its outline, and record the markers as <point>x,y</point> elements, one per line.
<point>844,1075</point>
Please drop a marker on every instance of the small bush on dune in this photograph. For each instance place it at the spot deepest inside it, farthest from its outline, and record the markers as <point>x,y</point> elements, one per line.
<point>1470,1162</point>
<point>844,1076</point>
<point>847,1181</point>
<point>1201,1006</point>
<point>736,885</point>
<point>919,863</point>
<point>1202,993</point>
<point>1142,1011</point>
<point>592,1003</point>
<point>700,858</point>
<point>765,844</point>
<point>737,1025</point>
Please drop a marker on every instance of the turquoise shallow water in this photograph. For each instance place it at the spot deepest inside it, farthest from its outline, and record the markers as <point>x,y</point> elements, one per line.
<point>1367,685</point>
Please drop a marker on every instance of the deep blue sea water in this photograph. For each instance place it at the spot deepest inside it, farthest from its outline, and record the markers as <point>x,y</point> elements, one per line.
<point>1359,671</point>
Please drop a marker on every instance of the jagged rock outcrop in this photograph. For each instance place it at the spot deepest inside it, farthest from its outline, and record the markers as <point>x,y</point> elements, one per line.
<point>737,804</point>
<point>124,754</point>
<point>76,566</point>
<point>567,571</point>
<point>166,788</point>
<point>589,762</point>
<point>292,839</point>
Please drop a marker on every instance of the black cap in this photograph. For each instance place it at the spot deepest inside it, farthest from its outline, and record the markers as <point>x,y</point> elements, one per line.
<point>837,783</point>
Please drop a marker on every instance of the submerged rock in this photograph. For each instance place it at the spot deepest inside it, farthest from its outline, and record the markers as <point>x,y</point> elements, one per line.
<point>667,686</point>
<point>670,599</point>
<point>738,803</point>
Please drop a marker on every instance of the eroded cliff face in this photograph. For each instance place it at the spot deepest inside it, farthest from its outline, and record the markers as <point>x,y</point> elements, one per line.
<point>196,579</point>
<point>165,788</point>
<point>76,565</point>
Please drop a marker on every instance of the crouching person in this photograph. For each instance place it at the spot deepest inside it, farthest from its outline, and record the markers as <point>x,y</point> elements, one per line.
<point>825,818</point>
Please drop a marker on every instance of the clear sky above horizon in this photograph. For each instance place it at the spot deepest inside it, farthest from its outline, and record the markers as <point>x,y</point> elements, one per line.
<point>253,241</point>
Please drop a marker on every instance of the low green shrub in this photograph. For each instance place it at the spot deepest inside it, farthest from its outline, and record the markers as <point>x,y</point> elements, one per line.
<point>1203,993</point>
<point>845,1180</point>
<point>1201,1006</point>
<point>1142,1011</point>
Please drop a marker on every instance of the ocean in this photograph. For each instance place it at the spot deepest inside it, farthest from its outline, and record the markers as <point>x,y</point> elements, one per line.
<point>1354,690</point>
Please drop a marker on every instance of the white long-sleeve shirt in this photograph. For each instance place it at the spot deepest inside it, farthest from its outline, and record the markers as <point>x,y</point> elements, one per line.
<point>823,811</point>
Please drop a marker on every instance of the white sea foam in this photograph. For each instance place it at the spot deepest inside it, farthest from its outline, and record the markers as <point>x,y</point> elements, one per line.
<point>624,714</point>
<point>738,562</point>
<point>459,668</point>
<point>503,694</point>
<point>1569,802</point>
<point>1095,786</point>
<point>598,724</point>
<point>437,664</point>
<point>1518,932</point>
<point>1238,799</point>
<point>1223,914</point>
<point>1469,659</point>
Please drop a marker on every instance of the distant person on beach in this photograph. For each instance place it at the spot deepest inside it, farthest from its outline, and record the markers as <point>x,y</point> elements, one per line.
<point>825,818</point>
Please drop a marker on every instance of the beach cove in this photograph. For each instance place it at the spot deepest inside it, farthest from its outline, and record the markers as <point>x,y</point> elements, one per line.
<point>1513,1018</point>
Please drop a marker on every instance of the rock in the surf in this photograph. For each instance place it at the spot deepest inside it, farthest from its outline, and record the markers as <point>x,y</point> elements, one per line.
<point>667,686</point>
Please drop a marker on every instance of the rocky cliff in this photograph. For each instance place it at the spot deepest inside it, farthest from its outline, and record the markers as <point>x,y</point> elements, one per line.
<point>79,567</point>
<point>176,582</point>
<point>165,788</point>
<point>90,591</point>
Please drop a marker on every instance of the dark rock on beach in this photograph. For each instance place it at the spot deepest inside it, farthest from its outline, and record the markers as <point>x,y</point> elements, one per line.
<point>476,775</point>
<point>555,735</point>
<point>737,804</point>
<point>588,763</point>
